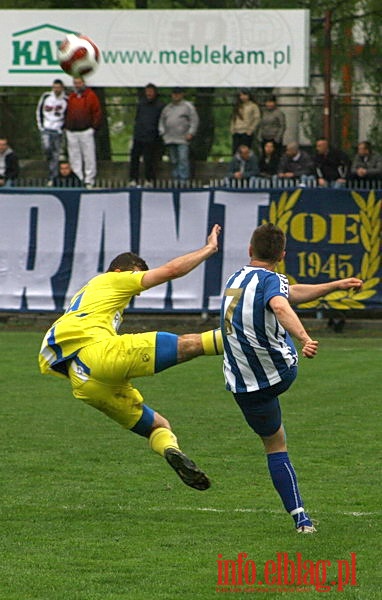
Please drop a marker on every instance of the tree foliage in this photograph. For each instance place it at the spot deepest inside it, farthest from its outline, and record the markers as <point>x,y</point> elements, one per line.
<point>356,48</point>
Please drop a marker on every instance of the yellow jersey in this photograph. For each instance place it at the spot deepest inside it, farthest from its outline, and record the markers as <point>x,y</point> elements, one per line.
<point>95,313</point>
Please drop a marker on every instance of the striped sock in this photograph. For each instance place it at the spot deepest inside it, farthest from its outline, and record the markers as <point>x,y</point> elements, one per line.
<point>285,481</point>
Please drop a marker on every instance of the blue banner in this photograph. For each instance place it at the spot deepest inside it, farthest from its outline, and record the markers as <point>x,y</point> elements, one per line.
<point>53,241</point>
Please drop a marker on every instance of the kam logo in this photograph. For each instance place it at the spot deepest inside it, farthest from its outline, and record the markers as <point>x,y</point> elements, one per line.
<point>34,49</point>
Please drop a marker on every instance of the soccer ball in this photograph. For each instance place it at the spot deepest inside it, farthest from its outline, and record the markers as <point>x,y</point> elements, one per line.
<point>78,55</point>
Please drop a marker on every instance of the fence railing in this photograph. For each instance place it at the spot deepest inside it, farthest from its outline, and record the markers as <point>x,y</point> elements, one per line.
<point>252,184</point>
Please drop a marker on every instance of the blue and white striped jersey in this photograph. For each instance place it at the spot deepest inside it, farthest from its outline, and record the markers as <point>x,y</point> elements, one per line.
<point>258,351</point>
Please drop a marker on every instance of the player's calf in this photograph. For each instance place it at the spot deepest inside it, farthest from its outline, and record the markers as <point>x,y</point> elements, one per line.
<point>164,442</point>
<point>191,345</point>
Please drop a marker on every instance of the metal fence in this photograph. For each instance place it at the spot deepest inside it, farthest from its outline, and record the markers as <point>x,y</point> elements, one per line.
<point>258,183</point>
<point>304,111</point>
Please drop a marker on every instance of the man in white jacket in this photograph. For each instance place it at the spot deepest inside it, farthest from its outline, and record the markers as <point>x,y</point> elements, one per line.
<point>50,116</point>
<point>178,124</point>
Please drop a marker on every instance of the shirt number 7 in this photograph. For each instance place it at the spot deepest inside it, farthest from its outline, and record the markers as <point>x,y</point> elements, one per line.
<point>236,294</point>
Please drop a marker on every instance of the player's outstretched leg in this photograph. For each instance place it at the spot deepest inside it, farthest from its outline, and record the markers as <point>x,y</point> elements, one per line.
<point>163,441</point>
<point>124,404</point>
<point>191,345</point>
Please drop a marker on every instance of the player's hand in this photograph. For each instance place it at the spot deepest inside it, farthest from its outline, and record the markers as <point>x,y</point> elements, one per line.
<point>309,349</point>
<point>212,239</point>
<point>349,283</point>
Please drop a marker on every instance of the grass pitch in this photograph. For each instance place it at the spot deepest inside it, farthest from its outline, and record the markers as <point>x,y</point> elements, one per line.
<point>89,513</point>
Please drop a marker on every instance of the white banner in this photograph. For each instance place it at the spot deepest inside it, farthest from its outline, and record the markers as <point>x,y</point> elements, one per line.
<point>219,48</point>
<point>52,242</point>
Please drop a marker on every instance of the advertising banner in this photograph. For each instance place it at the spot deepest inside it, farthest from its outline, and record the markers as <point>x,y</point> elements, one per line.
<point>219,48</point>
<point>52,242</point>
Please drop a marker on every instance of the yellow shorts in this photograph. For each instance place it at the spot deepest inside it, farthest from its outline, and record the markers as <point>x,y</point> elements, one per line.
<point>100,375</point>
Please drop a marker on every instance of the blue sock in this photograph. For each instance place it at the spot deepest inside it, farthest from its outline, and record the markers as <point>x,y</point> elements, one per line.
<point>285,481</point>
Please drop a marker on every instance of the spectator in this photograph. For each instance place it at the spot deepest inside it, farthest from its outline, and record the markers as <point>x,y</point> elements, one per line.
<point>146,139</point>
<point>269,160</point>
<point>332,166</point>
<point>178,124</point>
<point>244,121</point>
<point>9,164</point>
<point>296,164</point>
<point>66,178</point>
<point>50,116</point>
<point>272,125</point>
<point>366,164</point>
<point>243,166</point>
<point>83,118</point>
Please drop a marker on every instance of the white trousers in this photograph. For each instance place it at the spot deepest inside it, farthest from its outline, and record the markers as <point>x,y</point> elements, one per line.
<point>82,154</point>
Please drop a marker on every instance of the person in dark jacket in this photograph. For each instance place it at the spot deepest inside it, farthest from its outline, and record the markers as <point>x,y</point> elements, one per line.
<point>332,165</point>
<point>366,164</point>
<point>9,164</point>
<point>146,141</point>
<point>296,164</point>
<point>66,178</point>
<point>243,166</point>
<point>269,160</point>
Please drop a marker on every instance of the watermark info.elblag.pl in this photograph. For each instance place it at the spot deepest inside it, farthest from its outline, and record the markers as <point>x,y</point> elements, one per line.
<point>285,574</point>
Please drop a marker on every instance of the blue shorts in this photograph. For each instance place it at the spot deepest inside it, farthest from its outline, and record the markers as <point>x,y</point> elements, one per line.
<point>261,409</point>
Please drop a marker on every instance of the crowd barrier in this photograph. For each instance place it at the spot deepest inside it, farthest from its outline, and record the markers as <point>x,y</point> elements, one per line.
<point>116,181</point>
<point>53,240</point>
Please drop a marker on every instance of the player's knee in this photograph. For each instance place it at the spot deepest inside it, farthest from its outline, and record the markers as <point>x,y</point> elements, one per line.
<point>160,421</point>
<point>189,346</point>
<point>275,442</point>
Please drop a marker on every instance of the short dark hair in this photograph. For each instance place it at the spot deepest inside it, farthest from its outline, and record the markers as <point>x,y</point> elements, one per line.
<point>267,243</point>
<point>367,145</point>
<point>127,261</point>
<point>59,81</point>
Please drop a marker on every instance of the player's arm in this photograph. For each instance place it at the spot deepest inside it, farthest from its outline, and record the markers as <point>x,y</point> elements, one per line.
<point>96,111</point>
<point>290,321</point>
<point>301,292</point>
<point>39,113</point>
<point>182,264</point>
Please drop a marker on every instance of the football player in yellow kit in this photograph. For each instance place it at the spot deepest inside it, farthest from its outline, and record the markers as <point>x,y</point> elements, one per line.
<point>84,346</point>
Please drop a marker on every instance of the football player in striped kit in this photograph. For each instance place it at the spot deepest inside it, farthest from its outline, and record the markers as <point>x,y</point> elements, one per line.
<point>260,359</point>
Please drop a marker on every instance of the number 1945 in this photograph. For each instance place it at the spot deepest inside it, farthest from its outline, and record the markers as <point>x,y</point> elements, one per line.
<point>337,266</point>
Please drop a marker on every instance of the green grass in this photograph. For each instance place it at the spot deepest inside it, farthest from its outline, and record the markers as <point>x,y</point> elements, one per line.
<point>89,513</point>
